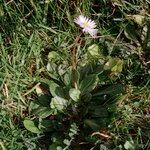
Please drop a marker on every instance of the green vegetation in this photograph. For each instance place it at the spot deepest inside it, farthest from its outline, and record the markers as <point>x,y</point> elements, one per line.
<point>62,90</point>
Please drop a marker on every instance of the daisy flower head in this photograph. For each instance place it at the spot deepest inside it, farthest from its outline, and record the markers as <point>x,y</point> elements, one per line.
<point>87,24</point>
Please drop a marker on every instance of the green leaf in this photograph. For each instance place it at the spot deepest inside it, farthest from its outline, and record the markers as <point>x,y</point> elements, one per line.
<point>93,50</point>
<point>57,142</point>
<point>44,99</point>
<point>88,84</point>
<point>46,126</point>
<point>59,148</point>
<point>139,19</point>
<point>39,110</point>
<point>52,67</point>
<point>129,145</point>
<point>110,89</point>
<point>33,105</point>
<point>55,89</point>
<point>98,111</point>
<point>87,97</point>
<point>67,78</point>
<point>1,11</point>
<point>96,123</point>
<point>55,146</point>
<point>54,55</point>
<point>130,32</point>
<point>30,125</point>
<point>74,94</point>
<point>43,112</point>
<point>67,142</point>
<point>114,64</point>
<point>92,124</point>
<point>58,103</point>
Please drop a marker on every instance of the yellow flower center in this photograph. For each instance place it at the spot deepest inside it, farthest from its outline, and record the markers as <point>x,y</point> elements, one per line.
<point>85,24</point>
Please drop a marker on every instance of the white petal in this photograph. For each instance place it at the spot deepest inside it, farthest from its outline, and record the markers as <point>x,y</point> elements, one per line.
<point>93,32</point>
<point>82,19</point>
<point>85,30</point>
<point>93,24</point>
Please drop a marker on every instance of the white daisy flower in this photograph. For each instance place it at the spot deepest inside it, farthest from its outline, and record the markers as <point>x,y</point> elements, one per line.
<point>87,24</point>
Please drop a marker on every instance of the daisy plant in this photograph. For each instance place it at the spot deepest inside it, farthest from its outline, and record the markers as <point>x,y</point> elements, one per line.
<point>75,101</point>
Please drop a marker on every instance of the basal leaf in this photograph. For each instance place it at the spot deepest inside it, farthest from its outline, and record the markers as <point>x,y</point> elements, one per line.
<point>114,64</point>
<point>93,50</point>
<point>44,99</point>
<point>54,55</point>
<point>46,125</point>
<point>58,103</point>
<point>74,94</point>
<point>98,111</point>
<point>129,145</point>
<point>30,125</point>
<point>55,89</point>
<point>39,110</point>
<point>89,83</point>
<point>110,89</point>
<point>43,112</point>
<point>92,124</point>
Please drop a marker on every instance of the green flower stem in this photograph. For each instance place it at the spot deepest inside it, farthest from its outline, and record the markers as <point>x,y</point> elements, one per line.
<point>74,61</point>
